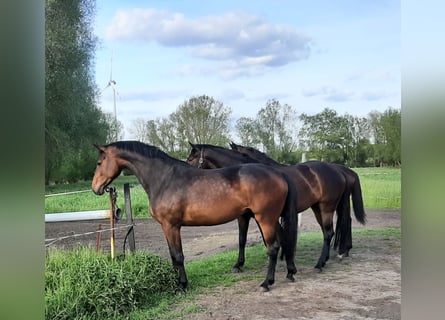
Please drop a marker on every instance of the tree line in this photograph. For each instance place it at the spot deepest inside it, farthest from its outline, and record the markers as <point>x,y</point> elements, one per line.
<point>73,121</point>
<point>278,130</point>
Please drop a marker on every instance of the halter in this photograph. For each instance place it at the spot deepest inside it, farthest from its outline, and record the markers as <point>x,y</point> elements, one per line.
<point>201,160</point>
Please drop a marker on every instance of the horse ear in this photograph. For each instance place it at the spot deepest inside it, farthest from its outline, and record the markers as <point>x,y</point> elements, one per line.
<point>192,145</point>
<point>98,147</point>
<point>232,145</point>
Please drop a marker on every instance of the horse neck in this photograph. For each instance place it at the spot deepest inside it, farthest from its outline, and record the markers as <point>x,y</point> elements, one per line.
<point>222,159</point>
<point>150,172</point>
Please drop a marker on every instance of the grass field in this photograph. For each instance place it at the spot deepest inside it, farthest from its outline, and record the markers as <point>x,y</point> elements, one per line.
<point>381,188</point>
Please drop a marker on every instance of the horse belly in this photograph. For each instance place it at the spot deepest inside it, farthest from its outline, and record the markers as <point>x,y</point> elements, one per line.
<point>207,214</point>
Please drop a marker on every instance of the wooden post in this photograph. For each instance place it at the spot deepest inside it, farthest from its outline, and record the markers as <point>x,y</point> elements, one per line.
<point>129,214</point>
<point>113,208</point>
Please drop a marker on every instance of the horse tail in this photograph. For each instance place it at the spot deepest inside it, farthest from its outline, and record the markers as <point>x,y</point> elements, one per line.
<point>357,200</point>
<point>343,225</point>
<point>289,220</point>
<point>343,219</point>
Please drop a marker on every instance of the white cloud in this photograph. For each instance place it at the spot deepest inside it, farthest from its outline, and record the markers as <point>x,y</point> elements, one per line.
<point>238,37</point>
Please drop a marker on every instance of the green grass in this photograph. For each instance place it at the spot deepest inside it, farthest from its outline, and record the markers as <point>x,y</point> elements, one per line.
<point>84,284</point>
<point>381,188</point>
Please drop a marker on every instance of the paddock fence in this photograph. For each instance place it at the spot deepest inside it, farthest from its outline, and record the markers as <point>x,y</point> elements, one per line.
<point>113,214</point>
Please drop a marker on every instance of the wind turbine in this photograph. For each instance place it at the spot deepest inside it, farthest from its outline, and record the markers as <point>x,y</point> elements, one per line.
<point>112,84</point>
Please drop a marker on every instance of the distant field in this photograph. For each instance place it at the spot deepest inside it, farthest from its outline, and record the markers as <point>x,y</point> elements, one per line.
<point>381,188</point>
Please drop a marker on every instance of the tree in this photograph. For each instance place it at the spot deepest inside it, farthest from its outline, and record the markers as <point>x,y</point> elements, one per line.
<point>163,133</point>
<point>247,131</point>
<point>73,122</point>
<point>115,128</point>
<point>386,133</point>
<point>139,129</point>
<point>201,119</point>
<point>325,136</point>
<point>273,131</point>
<point>360,146</point>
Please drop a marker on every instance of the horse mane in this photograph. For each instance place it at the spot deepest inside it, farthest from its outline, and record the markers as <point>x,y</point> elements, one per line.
<point>145,150</point>
<point>246,158</point>
<point>260,156</point>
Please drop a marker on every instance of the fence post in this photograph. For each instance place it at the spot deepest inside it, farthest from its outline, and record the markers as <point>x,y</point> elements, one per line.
<point>129,214</point>
<point>113,210</point>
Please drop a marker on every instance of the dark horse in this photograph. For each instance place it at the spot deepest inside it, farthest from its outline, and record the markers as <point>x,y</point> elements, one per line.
<point>181,195</point>
<point>343,234</point>
<point>320,186</point>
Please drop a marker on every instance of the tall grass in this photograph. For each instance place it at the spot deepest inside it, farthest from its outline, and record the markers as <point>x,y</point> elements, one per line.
<point>84,284</point>
<point>381,188</point>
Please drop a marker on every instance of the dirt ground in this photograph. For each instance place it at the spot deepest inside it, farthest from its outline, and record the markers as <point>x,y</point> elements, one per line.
<point>366,285</point>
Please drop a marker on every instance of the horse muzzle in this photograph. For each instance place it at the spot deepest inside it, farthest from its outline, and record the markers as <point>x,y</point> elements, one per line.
<point>100,191</point>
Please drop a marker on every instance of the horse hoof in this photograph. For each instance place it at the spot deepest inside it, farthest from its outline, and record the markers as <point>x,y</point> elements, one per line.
<point>180,292</point>
<point>340,256</point>
<point>236,270</point>
<point>264,288</point>
<point>290,277</point>
<point>318,269</point>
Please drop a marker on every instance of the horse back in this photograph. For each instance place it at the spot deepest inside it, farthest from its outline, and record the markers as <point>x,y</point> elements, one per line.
<point>315,181</point>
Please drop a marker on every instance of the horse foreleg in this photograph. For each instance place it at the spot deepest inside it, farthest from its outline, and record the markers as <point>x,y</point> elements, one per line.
<point>173,236</point>
<point>243,227</point>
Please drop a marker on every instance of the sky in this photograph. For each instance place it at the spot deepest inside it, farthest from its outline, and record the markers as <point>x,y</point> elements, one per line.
<point>343,55</point>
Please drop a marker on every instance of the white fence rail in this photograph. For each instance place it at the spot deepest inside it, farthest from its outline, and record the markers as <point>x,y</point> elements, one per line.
<point>77,216</point>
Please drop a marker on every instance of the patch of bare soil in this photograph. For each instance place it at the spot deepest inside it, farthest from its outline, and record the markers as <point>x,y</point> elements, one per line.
<point>366,285</point>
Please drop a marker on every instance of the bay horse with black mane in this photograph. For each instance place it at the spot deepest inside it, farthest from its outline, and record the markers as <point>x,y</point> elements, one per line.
<point>343,232</point>
<point>181,195</point>
<point>320,186</point>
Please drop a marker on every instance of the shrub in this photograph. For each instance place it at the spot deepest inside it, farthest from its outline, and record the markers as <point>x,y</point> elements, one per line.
<point>84,284</point>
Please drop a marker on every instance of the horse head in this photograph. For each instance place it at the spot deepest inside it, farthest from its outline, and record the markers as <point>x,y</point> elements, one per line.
<point>107,169</point>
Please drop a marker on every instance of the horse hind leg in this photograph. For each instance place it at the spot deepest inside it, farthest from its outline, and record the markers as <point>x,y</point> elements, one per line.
<point>273,246</point>
<point>290,263</point>
<point>328,233</point>
<point>272,252</point>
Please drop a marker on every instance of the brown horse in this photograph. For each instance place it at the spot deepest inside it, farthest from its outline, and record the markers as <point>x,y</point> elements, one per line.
<point>181,195</point>
<point>343,234</point>
<point>319,186</point>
